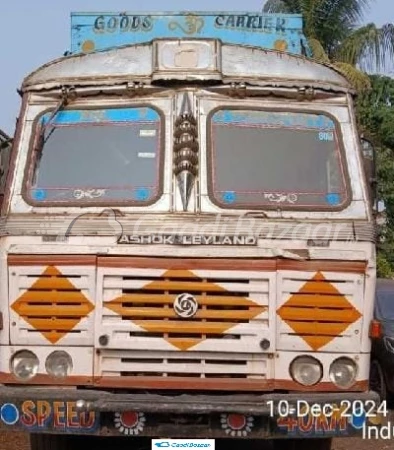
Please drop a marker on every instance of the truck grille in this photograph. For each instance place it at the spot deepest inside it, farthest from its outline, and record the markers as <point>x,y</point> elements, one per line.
<point>52,305</point>
<point>232,319</point>
<point>318,310</point>
<point>124,307</point>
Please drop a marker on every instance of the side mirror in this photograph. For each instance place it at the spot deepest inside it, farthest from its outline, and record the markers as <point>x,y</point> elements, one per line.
<point>5,153</point>
<point>369,156</point>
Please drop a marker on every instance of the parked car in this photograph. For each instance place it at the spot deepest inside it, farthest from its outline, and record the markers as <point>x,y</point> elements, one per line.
<point>382,334</point>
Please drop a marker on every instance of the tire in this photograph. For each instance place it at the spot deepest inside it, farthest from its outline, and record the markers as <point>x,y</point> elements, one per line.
<point>302,444</point>
<point>49,442</point>
<point>377,381</point>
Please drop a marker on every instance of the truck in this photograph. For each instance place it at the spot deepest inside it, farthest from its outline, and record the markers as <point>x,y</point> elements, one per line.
<point>188,239</point>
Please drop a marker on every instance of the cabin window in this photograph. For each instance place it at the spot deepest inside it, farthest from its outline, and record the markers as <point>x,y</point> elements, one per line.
<point>98,156</point>
<point>275,160</point>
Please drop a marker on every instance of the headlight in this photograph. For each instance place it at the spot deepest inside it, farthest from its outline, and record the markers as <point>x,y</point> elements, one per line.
<point>24,365</point>
<point>59,364</point>
<point>343,372</point>
<point>306,370</point>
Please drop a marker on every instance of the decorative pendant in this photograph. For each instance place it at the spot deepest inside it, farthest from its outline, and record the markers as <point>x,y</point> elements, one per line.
<point>186,150</point>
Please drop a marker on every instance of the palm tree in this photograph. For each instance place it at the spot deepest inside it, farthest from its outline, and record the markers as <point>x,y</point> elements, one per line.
<point>333,30</point>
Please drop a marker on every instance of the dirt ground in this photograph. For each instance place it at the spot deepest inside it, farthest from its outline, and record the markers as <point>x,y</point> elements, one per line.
<point>14,441</point>
<point>20,441</point>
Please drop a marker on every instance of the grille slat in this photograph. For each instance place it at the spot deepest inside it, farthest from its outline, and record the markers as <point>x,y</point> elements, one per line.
<point>182,327</point>
<point>317,314</point>
<point>53,310</point>
<point>131,313</point>
<point>181,286</point>
<point>163,299</point>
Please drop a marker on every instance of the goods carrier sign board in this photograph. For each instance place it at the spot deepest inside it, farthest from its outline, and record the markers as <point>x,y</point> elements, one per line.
<point>102,31</point>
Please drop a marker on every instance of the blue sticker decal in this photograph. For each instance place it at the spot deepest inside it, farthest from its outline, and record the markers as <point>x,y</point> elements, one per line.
<point>229,197</point>
<point>62,117</point>
<point>132,115</point>
<point>278,119</point>
<point>39,194</point>
<point>142,194</point>
<point>358,419</point>
<point>333,199</point>
<point>9,414</point>
<point>102,115</point>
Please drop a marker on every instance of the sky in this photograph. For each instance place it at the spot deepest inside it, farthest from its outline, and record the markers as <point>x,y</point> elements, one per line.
<point>35,32</point>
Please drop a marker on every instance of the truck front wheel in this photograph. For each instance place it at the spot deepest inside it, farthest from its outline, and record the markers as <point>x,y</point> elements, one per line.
<point>302,444</point>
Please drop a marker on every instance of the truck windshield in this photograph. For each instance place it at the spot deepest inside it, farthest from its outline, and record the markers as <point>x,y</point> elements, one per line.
<point>102,155</point>
<point>269,159</point>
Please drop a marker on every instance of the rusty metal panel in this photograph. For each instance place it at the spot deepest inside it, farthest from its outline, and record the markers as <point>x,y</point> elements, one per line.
<point>261,64</point>
<point>93,225</point>
<point>137,63</point>
<point>95,68</point>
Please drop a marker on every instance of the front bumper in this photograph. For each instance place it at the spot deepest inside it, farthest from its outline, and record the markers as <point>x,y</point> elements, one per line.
<point>72,411</point>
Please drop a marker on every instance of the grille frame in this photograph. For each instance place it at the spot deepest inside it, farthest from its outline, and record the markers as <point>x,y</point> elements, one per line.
<point>346,332</point>
<point>109,280</point>
<point>78,324</point>
<point>261,326</point>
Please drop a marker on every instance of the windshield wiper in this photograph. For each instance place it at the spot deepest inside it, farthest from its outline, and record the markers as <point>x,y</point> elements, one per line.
<point>61,105</point>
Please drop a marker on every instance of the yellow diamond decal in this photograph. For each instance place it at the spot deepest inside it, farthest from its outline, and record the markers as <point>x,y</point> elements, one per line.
<point>151,308</point>
<point>53,305</point>
<point>318,312</point>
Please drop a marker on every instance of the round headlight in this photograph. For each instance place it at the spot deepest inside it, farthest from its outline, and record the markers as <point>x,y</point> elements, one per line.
<point>343,372</point>
<point>24,365</point>
<point>59,364</point>
<point>306,370</point>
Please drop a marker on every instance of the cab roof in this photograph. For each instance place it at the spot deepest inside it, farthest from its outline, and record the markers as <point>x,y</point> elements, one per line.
<point>202,60</point>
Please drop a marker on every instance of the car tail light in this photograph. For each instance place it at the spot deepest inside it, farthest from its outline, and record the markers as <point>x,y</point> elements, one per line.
<point>375,330</point>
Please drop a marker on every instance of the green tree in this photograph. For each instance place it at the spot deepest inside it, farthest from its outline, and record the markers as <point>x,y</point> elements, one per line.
<point>333,30</point>
<point>376,118</point>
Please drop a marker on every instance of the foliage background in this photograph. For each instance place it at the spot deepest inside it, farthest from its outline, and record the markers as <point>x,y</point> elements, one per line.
<point>376,119</point>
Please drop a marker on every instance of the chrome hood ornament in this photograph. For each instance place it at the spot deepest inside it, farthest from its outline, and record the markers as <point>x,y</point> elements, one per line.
<point>186,150</point>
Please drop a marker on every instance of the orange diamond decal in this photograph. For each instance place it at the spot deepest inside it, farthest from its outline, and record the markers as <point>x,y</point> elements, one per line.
<point>53,305</point>
<point>151,308</point>
<point>318,312</point>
